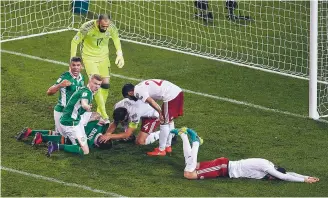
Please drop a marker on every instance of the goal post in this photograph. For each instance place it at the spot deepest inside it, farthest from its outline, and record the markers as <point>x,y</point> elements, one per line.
<point>286,37</point>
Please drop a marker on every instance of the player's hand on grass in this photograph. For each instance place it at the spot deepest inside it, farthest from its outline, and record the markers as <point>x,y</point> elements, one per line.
<point>119,59</point>
<point>104,138</point>
<point>65,83</point>
<point>311,180</point>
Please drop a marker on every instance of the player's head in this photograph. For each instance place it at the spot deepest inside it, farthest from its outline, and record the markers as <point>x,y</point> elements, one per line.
<point>75,66</point>
<point>94,82</point>
<point>278,168</point>
<point>105,145</point>
<point>103,22</point>
<point>120,115</point>
<point>128,91</point>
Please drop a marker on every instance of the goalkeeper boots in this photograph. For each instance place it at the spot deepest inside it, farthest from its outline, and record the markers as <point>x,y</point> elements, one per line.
<point>52,147</point>
<point>23,134</point>
<point>37,139</point>
<point>156,152</point>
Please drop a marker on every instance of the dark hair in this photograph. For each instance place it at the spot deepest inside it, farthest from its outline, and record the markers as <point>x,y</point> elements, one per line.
<point>280,169</point>
<point>120,114</point>
<point>126,88</point>
<point>106,145</point>
<point>76,59</point>
<point>103,17</point>
<point>96,76</point>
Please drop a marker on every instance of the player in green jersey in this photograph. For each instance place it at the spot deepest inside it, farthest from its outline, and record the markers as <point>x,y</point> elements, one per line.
<point>77,113</point>
<point>94,37</point>
<point>66,84</point>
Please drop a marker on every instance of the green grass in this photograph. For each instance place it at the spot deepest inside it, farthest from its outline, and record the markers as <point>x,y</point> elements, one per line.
<point>230,130</point>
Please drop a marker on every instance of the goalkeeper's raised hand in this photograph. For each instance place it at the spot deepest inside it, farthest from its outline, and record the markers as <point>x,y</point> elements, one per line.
<point>119,59</point>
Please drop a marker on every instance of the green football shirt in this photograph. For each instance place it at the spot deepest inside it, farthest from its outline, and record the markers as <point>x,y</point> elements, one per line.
<point>65,93</point>
<point>73,110</point>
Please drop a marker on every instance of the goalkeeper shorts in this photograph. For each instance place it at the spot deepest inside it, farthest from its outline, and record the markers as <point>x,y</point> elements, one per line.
<point>101,67</point>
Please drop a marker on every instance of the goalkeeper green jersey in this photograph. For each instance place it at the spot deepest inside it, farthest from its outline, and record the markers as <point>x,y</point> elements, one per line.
<point>73,110</point>
<point>95,43</point>
<point>65,93</point>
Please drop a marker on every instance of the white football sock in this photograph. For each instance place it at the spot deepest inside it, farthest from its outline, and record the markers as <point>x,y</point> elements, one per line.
<point>171,135</point>
<point>165,130</point>
<point>152,137</point>
<point>186,148</point>
<point>192,161</point>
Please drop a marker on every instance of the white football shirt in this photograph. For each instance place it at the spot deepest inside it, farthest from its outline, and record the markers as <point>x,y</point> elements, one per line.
<point>156,89</point>
<point>257,168</point>
<point>136,109</point>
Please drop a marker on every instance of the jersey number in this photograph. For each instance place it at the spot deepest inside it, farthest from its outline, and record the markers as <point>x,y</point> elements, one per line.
<point>159,83</point>
<point>99,41</point>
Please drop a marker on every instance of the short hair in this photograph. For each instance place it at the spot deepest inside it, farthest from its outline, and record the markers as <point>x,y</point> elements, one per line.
<point>106,145</point>
<point>120,114</point>
<point>126,89</point>
<point>76,59</point>
<point>96,76</point>
<point>103,17</point>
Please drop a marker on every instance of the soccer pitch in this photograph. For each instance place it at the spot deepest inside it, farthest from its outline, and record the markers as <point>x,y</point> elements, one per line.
<point>232,130</point>
<point>239,112</point>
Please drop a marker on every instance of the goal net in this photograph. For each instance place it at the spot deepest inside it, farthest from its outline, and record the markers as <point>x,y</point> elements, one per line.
<point>266,35</point>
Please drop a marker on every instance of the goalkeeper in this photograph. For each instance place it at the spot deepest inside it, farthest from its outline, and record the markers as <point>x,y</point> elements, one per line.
<point>95,35</point>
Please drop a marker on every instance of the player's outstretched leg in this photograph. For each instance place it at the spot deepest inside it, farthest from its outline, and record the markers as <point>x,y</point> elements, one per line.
<point>23,134</point>
<point>37,139</point>
<point>52,147</point>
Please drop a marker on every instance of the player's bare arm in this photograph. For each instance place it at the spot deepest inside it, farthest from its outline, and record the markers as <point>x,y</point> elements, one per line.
<point>94,116</point>
<point>85,105</point>
<point>154,104</point>
<point>54,88</point>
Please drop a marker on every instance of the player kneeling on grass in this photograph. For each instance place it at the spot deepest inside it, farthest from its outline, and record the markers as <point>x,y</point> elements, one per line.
<point>66,85</point>
<point>172,97</point>
<point>77,113</point>
<point>93,132</point>
<point>254,168</point>
<point>129,113</point>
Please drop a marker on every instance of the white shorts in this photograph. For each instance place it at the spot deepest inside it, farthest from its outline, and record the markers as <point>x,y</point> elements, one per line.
<point>77,133</point>
<point>57,116</point>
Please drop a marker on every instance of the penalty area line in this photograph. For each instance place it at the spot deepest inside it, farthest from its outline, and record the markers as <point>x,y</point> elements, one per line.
<point>185,90</point>
<point>61,182</point>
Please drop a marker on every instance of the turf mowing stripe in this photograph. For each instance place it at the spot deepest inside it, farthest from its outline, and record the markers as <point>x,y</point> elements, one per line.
<point>185,90</point>
<point>61,182</point>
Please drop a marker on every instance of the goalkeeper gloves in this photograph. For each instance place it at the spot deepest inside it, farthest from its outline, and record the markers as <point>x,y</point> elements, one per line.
<point>119,59</point>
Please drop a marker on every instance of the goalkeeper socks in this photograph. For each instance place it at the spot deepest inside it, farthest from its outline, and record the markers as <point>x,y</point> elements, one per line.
<point>43,132</point>
<point>152,137</point>
<point>71,148</point>
<point>104,93</point>
<point>101,104</point>
<point>51,138</point>
<point>165,130</point>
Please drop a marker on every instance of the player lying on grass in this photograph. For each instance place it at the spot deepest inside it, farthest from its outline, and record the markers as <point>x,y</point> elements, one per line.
<point>129,113</point>
<point>93,133</point>
<point>254,168</point>
<point>172,97</point>
<point>66,84</point>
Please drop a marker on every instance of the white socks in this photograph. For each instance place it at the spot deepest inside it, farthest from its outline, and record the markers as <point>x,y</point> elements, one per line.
<point>190,154</point>
<point>163,135</point>
<point>171,135</point>
<point>152,137</point>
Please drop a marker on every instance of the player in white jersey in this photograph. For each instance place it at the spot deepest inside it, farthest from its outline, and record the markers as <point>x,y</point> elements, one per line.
<point>253,168</point>
<point>129,113</point>
<point>172,98</point>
